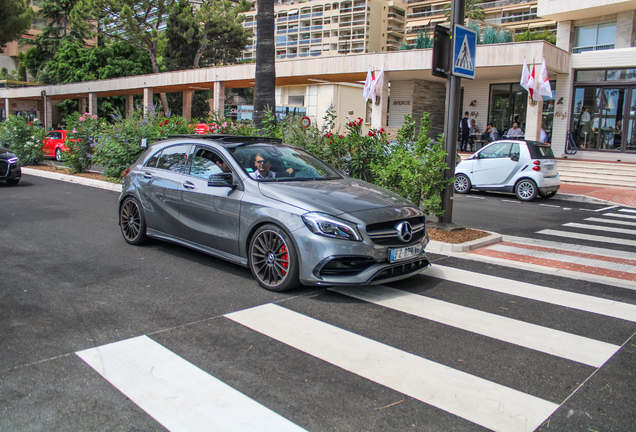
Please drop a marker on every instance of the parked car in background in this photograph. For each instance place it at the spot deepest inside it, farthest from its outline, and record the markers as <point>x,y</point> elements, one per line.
<point>53,144</point>
<point>282,212</point>
<point>525,168</point>
<point>10,170</point>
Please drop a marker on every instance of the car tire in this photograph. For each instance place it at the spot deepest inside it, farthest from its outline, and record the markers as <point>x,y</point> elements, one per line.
<point>547,194</point>
<point>526,190</point>
<point>462,184</point>
<point>58,154</point>
<point>132,222</point>
<point>13,182</point>
<point>273,259</point>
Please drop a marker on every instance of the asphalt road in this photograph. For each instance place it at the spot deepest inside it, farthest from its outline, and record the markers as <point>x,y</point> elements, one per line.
<point>69,282</point>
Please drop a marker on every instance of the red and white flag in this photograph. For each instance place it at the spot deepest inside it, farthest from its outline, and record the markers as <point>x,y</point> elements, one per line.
<point>544,82</point>
<point>525,76</point>
<point>366,92</point>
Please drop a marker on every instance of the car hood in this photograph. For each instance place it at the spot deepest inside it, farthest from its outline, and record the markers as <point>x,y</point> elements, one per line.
<point>5,154</point>
<point>335,197</point>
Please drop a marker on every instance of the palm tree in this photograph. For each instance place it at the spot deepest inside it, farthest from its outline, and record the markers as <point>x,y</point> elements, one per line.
<point>474,10</point>
<point>265,82</point>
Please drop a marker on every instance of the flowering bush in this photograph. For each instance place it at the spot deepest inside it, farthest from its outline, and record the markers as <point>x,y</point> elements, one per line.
<point>80,141</point>
<point>24,139</point>
<point>414,167</point>
<point>118,146</point>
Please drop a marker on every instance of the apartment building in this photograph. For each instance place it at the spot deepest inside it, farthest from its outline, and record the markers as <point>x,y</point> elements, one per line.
<point>513,15</point>
<point>328,28</point>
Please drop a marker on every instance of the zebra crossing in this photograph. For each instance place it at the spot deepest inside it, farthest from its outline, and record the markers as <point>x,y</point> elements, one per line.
<point>602,249</point>
<point>183,397</point>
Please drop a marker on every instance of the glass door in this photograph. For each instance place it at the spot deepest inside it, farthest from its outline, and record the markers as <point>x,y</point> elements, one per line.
<point>630,129</point>
<point>611,119</point>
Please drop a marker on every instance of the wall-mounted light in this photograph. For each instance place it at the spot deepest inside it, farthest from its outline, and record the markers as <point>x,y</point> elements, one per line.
<point>560,102</point>
<point>473,103</point>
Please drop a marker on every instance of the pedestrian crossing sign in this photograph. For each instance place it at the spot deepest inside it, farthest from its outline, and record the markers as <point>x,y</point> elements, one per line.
<point>464,48</point>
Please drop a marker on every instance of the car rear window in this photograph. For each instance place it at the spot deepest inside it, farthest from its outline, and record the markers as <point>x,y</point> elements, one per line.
<point>540,151</point>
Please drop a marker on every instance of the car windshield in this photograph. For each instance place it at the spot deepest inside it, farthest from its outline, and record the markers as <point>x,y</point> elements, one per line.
<point>270,162</point>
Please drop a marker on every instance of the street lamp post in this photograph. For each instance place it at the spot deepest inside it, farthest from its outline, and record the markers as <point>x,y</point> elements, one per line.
<point>451,125</point>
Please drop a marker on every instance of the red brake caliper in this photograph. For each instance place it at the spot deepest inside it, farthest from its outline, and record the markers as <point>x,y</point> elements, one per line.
<point>285,257</point>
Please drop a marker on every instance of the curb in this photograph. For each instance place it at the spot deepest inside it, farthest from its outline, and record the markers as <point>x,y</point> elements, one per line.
<point>584,199</point>
<point>100,184</point>
<point>436,246</point>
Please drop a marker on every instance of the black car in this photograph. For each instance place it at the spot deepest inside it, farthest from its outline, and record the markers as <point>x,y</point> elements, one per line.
<point>9,167</point>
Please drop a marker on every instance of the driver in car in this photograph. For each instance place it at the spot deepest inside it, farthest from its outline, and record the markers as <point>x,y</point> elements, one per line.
<point>262,168</point>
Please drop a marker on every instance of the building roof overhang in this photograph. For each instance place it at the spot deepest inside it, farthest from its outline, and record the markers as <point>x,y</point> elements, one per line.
<point>493,62</point>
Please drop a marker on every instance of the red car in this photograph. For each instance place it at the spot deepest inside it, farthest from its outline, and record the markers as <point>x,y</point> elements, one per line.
<point>54,144</point>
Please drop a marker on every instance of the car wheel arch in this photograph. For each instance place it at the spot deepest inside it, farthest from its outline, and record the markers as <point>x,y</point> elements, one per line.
<point>256,226</point>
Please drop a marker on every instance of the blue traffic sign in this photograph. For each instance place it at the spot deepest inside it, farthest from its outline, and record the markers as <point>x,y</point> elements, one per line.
<point>464,49</point>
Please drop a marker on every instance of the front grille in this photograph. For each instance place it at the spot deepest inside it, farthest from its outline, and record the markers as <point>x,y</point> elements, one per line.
<point>385,234</point>
<point>4,168</point>
<point>401,269</point>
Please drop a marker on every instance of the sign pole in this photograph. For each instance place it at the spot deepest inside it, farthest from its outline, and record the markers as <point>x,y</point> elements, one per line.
<point>451,124</point>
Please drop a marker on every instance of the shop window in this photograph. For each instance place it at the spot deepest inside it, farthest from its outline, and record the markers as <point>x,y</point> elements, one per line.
<point>508,104</point>
<point>594,37</point>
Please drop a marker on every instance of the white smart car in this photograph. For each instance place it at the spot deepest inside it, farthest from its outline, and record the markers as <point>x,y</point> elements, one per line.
<point>526,168</point>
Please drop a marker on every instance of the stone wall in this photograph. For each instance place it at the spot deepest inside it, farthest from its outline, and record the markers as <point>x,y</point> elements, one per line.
<point>429,96</point>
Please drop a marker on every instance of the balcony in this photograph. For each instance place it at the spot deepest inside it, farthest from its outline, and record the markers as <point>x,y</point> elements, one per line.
<point>581,9</point>
<point>578,50</point>
<point>503,3</point>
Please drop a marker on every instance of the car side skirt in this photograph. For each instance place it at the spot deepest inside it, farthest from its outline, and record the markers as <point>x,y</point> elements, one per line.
<point>207,250</point>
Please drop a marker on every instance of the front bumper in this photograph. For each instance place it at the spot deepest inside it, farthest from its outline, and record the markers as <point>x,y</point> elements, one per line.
<point>10,171</point>
<point>325,261</point>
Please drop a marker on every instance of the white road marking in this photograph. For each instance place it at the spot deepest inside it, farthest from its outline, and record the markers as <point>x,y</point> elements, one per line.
<point>511,201</point>
<point>606,208</point>
<point>178,394</point>
<point>475,399</point>
<point>581,260</point>
<point>620,215</point>
<point>554,342</point>
<point>571,247</point>
<point>550,205</point>
<point>601,228</point>
<point>573,235</point>
<point>557,297</point>
<point>628,210</point>
<point>611,221</point>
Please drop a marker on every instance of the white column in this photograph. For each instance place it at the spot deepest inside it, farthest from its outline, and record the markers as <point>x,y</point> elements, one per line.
<point>48,116</point>
<point>92,103</point>
<point>380,109</point>
<point>186,110</point>
<point>219,98</point>
<point>6,107</point>
<point>147,99</point>
<point>534,117</point>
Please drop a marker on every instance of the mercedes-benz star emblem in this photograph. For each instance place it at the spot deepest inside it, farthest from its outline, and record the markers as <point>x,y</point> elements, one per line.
<point>405,231</point>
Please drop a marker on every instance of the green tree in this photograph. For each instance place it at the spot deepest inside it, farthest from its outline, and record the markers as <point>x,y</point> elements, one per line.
<point>182,38</point>
<point>58,11</point>
<point>16,17</point>
<point>474,10</point>
<point>139,22</point>
<point>265,82</point>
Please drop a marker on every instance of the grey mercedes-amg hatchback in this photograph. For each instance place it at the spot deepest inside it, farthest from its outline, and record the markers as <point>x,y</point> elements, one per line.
<point>287,215</point>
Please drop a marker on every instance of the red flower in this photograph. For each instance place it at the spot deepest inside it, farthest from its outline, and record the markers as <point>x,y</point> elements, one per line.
<point>340,136</point>
<point>371,133</point>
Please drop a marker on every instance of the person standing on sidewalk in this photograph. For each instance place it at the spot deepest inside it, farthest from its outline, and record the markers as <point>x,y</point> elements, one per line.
<point>465,132</point>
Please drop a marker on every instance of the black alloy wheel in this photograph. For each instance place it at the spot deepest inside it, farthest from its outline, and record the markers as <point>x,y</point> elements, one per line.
<point>273,259</point>
<point>132,222</point>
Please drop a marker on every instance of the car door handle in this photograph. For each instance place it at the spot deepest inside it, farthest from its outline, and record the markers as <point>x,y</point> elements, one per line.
<point>147,175</point>
<point>188,185</point>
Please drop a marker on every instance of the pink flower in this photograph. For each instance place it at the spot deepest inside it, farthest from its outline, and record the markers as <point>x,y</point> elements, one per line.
<point>74,131</point>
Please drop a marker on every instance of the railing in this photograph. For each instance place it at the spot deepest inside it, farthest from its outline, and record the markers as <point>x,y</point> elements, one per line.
<point>316,14</point>
<point>395,16</point>
<point>578,50</point>
<point>511,19</point>
<point>307,15</point>
<point>425,14</point>
<point>502,3</point>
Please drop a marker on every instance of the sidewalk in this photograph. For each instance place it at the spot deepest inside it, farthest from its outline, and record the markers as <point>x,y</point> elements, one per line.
<point>597,193</point>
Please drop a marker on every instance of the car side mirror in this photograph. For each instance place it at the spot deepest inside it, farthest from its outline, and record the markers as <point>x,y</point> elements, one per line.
<point>222,179</point>
<point>515,157</point>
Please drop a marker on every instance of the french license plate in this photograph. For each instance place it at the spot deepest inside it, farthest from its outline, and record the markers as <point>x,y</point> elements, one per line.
<point>404,253</point>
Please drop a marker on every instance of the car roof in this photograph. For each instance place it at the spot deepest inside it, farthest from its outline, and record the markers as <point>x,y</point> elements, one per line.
<point>228,141</point>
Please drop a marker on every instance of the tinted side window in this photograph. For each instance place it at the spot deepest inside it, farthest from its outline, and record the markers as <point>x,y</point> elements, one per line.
<point>204,164</point>
<point>497,150</point>
<point>174,158</point>
<point>540,151</point>
<point>55,135</point>
<point>152,162</point>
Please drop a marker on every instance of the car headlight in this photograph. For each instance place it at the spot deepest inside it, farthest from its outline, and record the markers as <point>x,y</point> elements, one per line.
<point>12,160</point>
<point>329,226</point>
